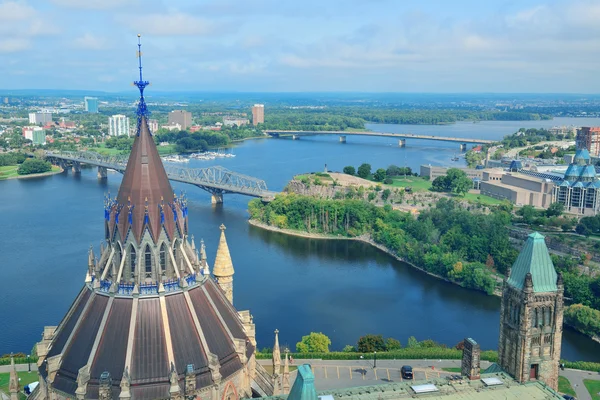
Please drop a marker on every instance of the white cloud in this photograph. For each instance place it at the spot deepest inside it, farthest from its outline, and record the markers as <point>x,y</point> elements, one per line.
<point>90,42</point>
<point>172,24</point>
<point>15,11</point>
<point>12,45</point>
<point>96,4</point>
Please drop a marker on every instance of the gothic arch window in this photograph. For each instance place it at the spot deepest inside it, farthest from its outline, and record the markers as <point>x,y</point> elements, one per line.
<point>549,316</point>
<point>148,261</point>
<point>163,259</point>
<point>132,260</point>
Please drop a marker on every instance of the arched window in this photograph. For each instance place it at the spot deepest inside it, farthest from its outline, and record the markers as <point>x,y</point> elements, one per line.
<point>534,317</point>
<point>132,259</point>
<point>549,316</point>
<point>148,260</point>
<point>163,259</point>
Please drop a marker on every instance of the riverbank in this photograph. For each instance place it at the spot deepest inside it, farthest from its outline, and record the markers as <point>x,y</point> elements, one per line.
<point>14,175</point>
<point>364,239</point>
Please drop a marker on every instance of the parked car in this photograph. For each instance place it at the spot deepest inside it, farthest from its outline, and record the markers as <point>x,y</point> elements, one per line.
<point>568,397</point>
<point>406,371</point>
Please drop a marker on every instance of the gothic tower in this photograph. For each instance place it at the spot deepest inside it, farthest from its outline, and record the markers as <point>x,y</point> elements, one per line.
<point>149,322</point>
<point>531,316</point>
<point>223,268</point>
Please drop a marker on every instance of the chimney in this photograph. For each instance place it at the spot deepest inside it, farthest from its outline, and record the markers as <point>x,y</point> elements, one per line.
<point>470,359</point>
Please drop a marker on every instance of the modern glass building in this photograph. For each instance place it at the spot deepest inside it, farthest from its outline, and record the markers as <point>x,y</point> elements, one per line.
<point>580,189</point>
<point>91,104</point>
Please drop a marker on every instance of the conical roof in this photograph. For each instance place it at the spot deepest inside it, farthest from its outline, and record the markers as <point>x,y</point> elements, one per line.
<point>145,186</point>
<point>534,259</point>
<point>223,264</point>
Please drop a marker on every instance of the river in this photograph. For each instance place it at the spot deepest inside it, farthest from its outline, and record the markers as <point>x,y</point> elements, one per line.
<point>341,288</point>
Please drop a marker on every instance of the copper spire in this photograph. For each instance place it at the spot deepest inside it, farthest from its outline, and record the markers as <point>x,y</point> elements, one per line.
<point>145,184</point>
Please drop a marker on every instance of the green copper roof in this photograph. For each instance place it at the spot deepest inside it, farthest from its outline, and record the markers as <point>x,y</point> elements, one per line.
<point>534,259</point>
<point>304,385</point>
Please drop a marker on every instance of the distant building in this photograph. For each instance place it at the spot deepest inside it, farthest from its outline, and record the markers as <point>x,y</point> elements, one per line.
<point>579,191</point>
<point>36,134</point>
<point>172,127</point>
<point>258,114</point>
<point>153,125</point>
<point>37,118</point>
<point>91,104</point>
<point>118,125</point>
<point>231,121</point>
<point>589,139</point>
<point>433,171</point>
<point>517,187</point>
<point>181,117</point>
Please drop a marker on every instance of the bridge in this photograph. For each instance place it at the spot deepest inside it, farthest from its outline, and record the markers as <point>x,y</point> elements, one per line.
<point>402,136</point>
<point>215,180</point>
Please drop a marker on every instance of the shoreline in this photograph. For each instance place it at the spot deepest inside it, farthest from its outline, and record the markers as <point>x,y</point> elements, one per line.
<point>30,176</point>
<point>363,239</point>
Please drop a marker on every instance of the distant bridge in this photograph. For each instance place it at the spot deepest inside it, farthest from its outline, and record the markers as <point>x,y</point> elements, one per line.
<point>402,136</point>
<point>215,180</point>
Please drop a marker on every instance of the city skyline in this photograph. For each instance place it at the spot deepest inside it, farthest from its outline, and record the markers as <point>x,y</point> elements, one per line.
<point>265,46</point>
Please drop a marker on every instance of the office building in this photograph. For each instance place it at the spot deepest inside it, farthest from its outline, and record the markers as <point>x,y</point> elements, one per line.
<point>153,125</point>
<point>181,117</point>
<point>589,139</point>
<point>258,114</point>
<point>579,191</point>
<point>118,125</point>
<point>42,118</point>
<point>91,104</point>
<point>36,134</point>
<point>231,121</point>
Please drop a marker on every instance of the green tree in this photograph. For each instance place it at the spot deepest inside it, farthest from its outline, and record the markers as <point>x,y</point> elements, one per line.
<point>441,184</point>
<point>370,343</point>
<point>412,343</point>
<point>555,210</point>
<point>349,170</point>
<point>385,194</point>
<point>392,344</point>
<point>364,170</point>
<point>315,342</point>
<point>528,213</point>
<point>349,349</point>
<point>379,175</point>
<point>34,166</point>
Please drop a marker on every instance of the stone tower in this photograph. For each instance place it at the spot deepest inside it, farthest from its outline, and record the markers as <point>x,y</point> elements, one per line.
<point>531,316</point>
<point>223,267</point>
<point>13,381</point>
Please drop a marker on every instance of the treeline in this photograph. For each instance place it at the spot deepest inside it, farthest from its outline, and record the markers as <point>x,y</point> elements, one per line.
<point>463,247</point>
<point>186,142</point>
<point>525,137</point>
<point>13,158</point>
<point>342,118</point>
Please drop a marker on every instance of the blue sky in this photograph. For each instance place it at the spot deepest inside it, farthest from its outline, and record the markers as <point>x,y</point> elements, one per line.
<point>308,45</point>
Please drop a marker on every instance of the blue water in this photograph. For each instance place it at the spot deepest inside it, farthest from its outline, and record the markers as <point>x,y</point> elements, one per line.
<point>344,289</point>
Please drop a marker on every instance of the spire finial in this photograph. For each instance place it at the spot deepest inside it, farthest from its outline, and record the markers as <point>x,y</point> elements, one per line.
<point>222,228</point>
<point>142,111</point>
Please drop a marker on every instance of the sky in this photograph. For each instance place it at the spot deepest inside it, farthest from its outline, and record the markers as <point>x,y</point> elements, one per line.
<point>438,46</point>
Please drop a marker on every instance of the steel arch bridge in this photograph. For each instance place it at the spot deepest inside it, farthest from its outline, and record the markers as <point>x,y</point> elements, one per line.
<point>216,180</point>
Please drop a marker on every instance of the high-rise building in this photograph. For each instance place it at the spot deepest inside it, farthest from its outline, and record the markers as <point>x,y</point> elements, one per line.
<point>36,134</point>
<point>118,125</point>
<point>181,117</point>
<point>153,125</point>
<point>91,104</point>
<point>588,138</point>
<point>531,316</point>
<point>40,118</point>
<point>258,114</point>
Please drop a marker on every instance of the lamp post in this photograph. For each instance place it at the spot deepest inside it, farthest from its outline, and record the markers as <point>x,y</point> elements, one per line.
<point>374,359</point>
<point>29,362</point>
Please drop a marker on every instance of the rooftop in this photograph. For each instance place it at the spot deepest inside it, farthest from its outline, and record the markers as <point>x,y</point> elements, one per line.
<point>534,259</point>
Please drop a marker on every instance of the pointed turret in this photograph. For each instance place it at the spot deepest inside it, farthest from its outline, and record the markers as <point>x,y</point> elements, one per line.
<point>13,384</point>
<point>203,260</point>
<point>223,267</point>
<point>286,372</point>
<point>276,355</point>
<point>534,260</point>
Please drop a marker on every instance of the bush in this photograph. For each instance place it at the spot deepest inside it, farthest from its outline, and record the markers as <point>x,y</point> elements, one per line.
<point>364,170</point>
<point>349,170</point>
<point>34,166</point>
<point>388,181</point>
<point>379,175</point>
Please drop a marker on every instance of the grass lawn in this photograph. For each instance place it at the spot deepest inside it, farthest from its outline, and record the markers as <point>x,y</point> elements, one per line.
<point>481,198</point>
<point>453,369</point>
<point>593,387</point>
<point>25,378</point>
<point>105,150</point>
<point>418,184</point>
<point>8,171</point>
<point>564,386</point>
